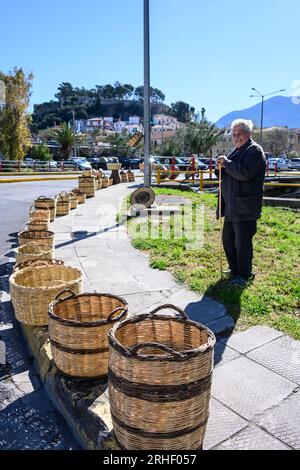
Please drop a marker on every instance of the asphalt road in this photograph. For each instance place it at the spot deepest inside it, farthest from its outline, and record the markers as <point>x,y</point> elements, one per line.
<point>28,419</point>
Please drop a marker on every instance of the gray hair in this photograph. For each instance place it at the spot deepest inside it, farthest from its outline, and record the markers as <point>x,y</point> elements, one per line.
<point>246,125</point>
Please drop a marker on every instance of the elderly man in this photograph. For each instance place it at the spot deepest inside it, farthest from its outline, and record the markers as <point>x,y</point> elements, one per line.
<point>243,174</point>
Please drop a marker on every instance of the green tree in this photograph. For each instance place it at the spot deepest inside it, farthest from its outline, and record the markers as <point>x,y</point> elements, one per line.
<point>200,137</point>
<point>41,152</point>
<point>170,147</point>
<point>275,140</point>
<point>118,141</point>
<point>65,93</point>
<point>182,111</point>
<point>14,118</point>
<point>66,139</point>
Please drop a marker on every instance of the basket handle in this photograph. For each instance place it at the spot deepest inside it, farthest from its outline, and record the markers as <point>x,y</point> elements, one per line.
<point>31,264</point>
<point>42,198</point>
<point>63,292</point>
<point>172,307</point>
<point>135,349</point>
<point>121,315</point>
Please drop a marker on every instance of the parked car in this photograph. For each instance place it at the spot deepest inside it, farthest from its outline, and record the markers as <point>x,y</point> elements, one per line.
<point>281,164</point>
<point>101,162</point>
<point>82,164</point>
<point>294,164</point>
<point>128,162</point>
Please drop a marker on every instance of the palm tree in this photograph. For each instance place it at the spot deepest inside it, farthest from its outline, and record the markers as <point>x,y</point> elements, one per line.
<point>201,137</point>
<point>66,139</point>
<point>203,114</point>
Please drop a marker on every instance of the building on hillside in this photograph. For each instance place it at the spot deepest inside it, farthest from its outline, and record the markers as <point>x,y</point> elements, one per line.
<point>135,120</point>
<point>119,126</point>
<point>164,119</point>
<point>94,124</point>
<point>133,128</point>
<point>162,132</point>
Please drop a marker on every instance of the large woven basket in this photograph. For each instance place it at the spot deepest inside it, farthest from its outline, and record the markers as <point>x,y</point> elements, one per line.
<point>87,185</point>
<point>110,181</point>
<point>99,183</point>
<point>39,262</point>
<point>81,197</point>
<point>160,370</point>
<point>38,224</point>
<point>88,173</point>
<point>40,214</point>
<point>46,203</point>
<point>124,177</point>
<point>33,289</point>
<point>33,251</point>
<point>78,327</point>
<point>63,205</point>
<point>41,237</point>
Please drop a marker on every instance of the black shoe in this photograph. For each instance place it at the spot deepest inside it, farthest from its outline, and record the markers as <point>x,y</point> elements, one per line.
<point>229,274</point>
<point>239,281</point>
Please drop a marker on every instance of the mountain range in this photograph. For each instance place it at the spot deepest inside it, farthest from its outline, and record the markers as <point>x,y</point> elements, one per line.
<point>278,111</point>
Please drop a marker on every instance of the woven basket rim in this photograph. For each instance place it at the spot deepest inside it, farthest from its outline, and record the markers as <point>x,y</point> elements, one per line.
<point>186,354</point>
<point>77,323</point>
<point>19,249</point>
<point>48,232</point>
<point>38,289</point>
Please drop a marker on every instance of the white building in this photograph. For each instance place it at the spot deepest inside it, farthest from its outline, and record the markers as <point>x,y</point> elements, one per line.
<point>133,128</point>
<point>135,120</point>
<point>163,119</point>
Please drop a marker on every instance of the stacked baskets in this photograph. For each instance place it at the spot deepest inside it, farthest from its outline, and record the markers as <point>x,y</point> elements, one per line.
<point>46,203</point>
<point>33,251</point>
<point>63,205</point>
<point>41,237</point>
<point>81,197</point>
<point>87,185</point>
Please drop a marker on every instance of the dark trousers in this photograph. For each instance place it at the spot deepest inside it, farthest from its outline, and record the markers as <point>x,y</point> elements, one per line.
<point>237,242</point>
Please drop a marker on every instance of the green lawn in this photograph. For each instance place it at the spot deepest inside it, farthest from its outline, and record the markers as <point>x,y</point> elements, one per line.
<point>274,297</point>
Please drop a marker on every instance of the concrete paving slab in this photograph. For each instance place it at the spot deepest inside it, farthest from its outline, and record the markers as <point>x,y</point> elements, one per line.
<point>144,302</point>
<point>238,385</point>
<point>157,280</point>
<point>224,354</point>
<point>222,424</point>
<point>284,421</point>
<point>252,338</point>
<point>281,356</point>
<point>222,325</point>
<point>252,438</point>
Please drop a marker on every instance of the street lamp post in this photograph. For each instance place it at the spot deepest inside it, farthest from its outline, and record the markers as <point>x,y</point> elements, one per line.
<point>259,95</point>
<point>147,172</point>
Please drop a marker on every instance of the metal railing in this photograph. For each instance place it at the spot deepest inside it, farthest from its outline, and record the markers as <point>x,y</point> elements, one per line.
<point>36,166</point>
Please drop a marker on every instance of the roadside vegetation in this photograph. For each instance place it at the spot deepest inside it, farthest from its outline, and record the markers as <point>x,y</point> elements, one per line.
<point>274,297</point>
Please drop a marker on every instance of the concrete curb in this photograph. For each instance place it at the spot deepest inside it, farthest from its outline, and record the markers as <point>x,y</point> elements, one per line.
<point>29,180</point>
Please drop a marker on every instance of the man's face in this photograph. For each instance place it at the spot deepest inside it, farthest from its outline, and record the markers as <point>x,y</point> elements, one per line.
<point>239,136</point>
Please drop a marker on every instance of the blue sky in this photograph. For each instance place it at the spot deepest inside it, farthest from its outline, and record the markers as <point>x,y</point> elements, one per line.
<point>207,53</point>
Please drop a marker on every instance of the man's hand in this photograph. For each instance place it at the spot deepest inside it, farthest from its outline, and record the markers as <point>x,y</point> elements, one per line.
<point>220,162</point>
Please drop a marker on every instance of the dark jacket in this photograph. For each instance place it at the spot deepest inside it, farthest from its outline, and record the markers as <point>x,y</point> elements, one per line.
<point>243,183</point>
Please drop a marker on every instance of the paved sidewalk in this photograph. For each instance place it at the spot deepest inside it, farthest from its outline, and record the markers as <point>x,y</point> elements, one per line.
<point>255,395</point>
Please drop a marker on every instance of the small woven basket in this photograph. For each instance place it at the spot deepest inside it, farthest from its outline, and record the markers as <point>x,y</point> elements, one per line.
<point>105,182</point>
<point>87,185</point>
<point>73,200</point>
<point>63,205</point>
<point>110,181</point>
<point>33,251</point>
<point>81,198</point>
<point>34,288</point>
<point>46,203</point>
<point>131,177</point>
<point>78,327</point>
<point>113,166</point>
<point>88,173</point>
<point>160,371</point>
<point>124,177</point>
<point>99,183</point>
<point>41,237</point>
<point>38,224</point>
<point>41,214</point>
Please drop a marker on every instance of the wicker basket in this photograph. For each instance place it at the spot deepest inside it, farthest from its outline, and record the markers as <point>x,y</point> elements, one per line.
<point>39,262</point>
<point>41,237</point>
<point>88,173</point>
<point>99,183</point>
<point>38,224</point>
<point>110,181</point>
<point>78,327</point>
<point>46,203</point>
<point>39,214</point>
<point>105,182</point>
<point>73,200</point>
<point>131,177</point>
<point>33,289</point>
<point>160,371</point>
<point>81,197</point>
<point>33,251</point>
<point>87,186</point>
<point>113,166</point>
<point>124,178</point>
<point>63,205</point>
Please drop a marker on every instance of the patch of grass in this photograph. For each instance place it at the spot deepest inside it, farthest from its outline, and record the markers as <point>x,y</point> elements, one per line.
<point>274,297</point>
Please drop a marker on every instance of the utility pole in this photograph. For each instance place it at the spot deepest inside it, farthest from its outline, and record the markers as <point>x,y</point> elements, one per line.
<point>147,171</point>
<point>74,132</point>
<point>259,95</point>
